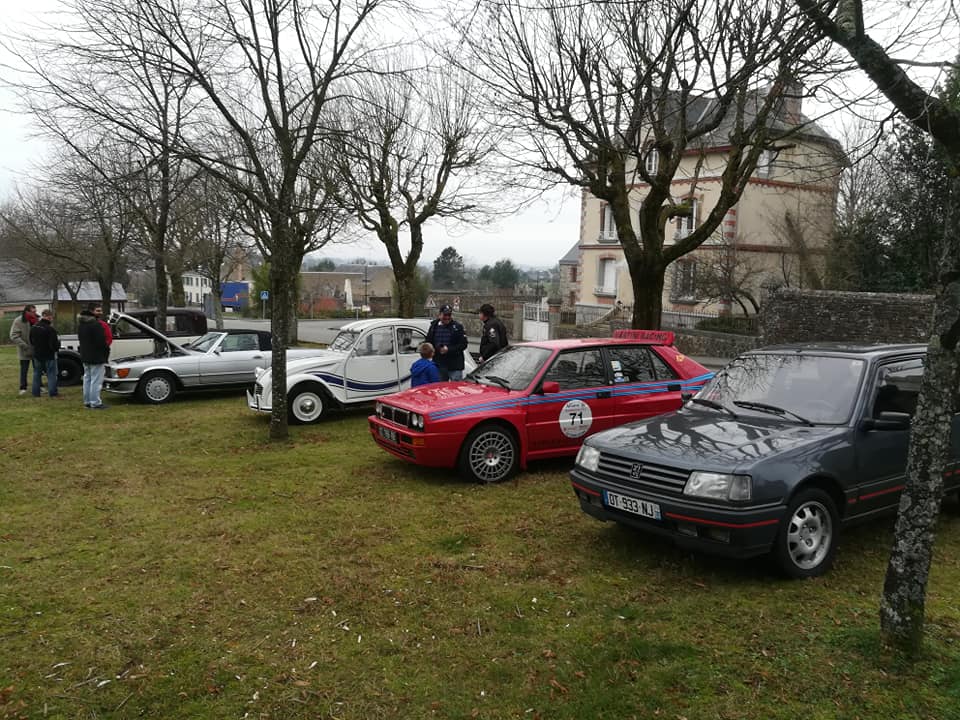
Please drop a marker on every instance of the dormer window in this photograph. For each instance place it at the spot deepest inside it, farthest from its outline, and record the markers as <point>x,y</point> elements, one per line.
<point>608,228</point>
<point>651,159</point>
<point>765,163</point>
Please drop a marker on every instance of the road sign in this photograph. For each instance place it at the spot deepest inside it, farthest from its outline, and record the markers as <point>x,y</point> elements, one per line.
<point>264,294</point>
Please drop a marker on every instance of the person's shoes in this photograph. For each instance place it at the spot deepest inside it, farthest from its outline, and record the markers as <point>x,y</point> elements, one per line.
<point>56,397</point>
<point>87,405</point>
<point>101,406</point>
<point>23,391</point>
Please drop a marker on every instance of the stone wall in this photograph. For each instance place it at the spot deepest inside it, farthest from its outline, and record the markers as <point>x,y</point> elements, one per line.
<point>700,343</point>
<point>791,315</point>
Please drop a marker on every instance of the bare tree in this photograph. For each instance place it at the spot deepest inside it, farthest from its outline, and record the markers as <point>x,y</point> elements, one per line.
<point>407,154</point>
<point>903,603</point>
<point>101,78</point>
<point>610,97</point>
<point>262,74</point>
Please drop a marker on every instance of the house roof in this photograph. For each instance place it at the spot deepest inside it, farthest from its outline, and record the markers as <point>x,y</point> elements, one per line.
<point>18,286</point>
<point>90,292</point>
<point>573,255</point>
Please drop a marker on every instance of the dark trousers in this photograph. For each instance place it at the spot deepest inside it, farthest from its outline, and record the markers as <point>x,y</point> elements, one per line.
<point>50,368</point>
<point>24,370</point>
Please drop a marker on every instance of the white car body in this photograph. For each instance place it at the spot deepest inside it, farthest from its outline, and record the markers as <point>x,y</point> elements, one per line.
<point>367,360</point>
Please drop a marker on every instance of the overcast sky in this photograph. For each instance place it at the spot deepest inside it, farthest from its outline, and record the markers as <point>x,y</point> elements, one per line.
<point>538,236</point>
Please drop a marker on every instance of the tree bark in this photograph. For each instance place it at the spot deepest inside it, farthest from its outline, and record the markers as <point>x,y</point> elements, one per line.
<point>281,292</point>
<point>405,291</point>
<point>647,281</point>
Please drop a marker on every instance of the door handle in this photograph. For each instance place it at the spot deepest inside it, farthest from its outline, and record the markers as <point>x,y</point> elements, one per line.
<point>673,387</point>
<point>603,393</point>
<point>258,357</point>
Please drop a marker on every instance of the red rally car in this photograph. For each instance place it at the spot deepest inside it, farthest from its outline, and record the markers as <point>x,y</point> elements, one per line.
<point>535,400</point>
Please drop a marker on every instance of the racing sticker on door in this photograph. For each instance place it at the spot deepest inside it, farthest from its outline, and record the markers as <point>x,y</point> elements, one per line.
<point>575,419</point>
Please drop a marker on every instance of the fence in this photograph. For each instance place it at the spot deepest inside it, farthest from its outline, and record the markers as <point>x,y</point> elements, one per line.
<point>669,319</point>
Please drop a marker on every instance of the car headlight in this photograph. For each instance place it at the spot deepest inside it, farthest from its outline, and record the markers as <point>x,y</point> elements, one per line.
<point>718,486</point>
<point>416,421</point>
<point>588,458</point>
<point>258,371</point>
<point>378,409</point>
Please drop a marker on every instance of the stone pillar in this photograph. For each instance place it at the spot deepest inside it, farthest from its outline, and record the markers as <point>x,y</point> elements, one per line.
<point>517,334</point>
<point>553,317</point>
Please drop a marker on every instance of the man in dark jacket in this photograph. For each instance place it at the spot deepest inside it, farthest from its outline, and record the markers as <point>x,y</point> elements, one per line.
<point>450,340</point>
<point>46,344</point>
<point>494,337</point>
<point>94,352</point>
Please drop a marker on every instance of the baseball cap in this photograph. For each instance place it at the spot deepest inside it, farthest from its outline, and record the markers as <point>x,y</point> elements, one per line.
<point>446,310</point>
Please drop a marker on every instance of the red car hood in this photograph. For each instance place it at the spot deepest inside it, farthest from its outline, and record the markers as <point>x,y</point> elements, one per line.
<point>437,397</point>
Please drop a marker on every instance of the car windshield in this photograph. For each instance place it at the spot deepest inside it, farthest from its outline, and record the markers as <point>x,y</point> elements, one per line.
<point>512,368</point>
<point>820,389</point>
<point>344,340</point>
<point>204,343</point>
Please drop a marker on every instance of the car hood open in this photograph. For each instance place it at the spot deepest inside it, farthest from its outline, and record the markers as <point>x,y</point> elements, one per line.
<point>437,399</point>
<point>709,440</point>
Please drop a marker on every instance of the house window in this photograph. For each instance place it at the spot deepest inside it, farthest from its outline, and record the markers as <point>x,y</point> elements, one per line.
<point>651,159</point>
<point>607,277</point>
<point>608,229</point>
<point>684,280</point>
<point>765,163</point>
<point>573,274</point>
<point>688,223</point>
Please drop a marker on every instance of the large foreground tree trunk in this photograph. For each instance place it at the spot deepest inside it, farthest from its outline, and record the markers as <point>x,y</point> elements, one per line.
<point>904,589</point>
<point>647,280</point>
<point>282,293</point>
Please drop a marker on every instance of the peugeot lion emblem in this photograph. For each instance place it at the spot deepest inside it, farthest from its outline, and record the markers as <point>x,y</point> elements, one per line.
<point>635,471</point>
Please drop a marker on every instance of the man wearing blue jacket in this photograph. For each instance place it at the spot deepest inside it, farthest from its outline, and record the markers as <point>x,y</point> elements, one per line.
<point>450,341</point>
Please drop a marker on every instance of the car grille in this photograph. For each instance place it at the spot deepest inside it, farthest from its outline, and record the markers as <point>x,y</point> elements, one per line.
<point>108,371</point>
<point>396,415</point>
<point>257,390</point>
<point>634,473</point>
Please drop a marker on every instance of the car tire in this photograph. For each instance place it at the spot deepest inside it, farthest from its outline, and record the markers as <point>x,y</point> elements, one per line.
<point>489,454</point>
<point>157,388</point>
<point>70,372</point>
<point>807,540</point>
<point>307,404</point>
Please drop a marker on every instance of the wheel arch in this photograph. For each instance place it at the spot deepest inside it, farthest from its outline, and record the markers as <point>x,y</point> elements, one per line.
<point>507,425</point>
<point>301,380</point>
<point>827,484</point>
<point>166,370</point>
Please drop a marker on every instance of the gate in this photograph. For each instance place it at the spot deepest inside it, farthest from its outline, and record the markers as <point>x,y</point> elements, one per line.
<point>536,322</point>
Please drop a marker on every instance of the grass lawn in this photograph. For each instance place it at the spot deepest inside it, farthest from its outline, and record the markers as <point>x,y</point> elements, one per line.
<point>169,562</point>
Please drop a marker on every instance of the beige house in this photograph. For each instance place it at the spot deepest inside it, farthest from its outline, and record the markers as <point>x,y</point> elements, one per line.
<point>775,235</point>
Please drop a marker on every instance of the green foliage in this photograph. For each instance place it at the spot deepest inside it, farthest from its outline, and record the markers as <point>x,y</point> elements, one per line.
<point>503,274</point>
<point>321,265</point>
<point>448,270</point>
<point>736,324</point>
<point>421,288</point>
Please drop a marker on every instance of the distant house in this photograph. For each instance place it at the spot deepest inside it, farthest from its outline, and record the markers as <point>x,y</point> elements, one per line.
<point>344,288</point>
<point>798,181</point>
<point>19,288</point>
<point>87,293</point>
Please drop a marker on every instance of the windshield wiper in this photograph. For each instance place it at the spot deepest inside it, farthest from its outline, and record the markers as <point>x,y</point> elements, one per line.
<point>764,407</point>
<point>714,405</point>
<point>498,380</point>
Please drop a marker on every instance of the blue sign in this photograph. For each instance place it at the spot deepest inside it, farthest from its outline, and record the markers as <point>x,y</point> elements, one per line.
<point>264,295</point>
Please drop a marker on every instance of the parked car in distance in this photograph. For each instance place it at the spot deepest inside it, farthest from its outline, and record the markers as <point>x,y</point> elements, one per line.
<point>182,325</point>
<point>780,450</point>
<point>218,359</point>
<point>535,400</point>
<point>366,360</point>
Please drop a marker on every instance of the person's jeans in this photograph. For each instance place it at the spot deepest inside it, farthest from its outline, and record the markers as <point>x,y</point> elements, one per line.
<point>454,374</point>
<point>50,368</point>
<point>24,369</point>
<point>92,381</point>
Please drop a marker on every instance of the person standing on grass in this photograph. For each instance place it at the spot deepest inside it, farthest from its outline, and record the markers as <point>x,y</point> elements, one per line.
<point>97,311</point>
<point>20,336</point>
<point>450,340</point>
<point>424,371</point>
<point>94,352</point>
<point>46,344</point>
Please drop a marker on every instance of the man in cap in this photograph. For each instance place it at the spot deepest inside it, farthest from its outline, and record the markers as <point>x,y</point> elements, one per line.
<point>450,341</point>
<point>494,337</point>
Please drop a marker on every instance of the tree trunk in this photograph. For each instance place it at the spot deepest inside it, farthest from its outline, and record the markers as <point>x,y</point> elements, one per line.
<point>905,585</point>
<point>281,292</point>
<point>218,305</point>
<point>162,287</point>
<point>177,294</point>
<point>293,329</point>
<point>405,292</point>
<point>647,281</point>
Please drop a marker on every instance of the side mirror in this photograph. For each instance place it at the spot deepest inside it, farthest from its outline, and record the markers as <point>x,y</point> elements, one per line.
<point>887,421</point>
<point>686,396</point>
<point>549,387</point>
<point>674,387</point>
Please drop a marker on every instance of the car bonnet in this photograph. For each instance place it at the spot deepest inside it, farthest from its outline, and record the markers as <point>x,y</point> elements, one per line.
<point>440,399</point>
<point>707,440</point>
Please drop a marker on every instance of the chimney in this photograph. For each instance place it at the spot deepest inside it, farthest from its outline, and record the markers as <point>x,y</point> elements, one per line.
<point>792,101</point>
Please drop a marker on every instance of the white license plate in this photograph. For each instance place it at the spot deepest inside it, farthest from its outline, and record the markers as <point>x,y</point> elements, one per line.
<point>632,505</point>
<point>387,434</point>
